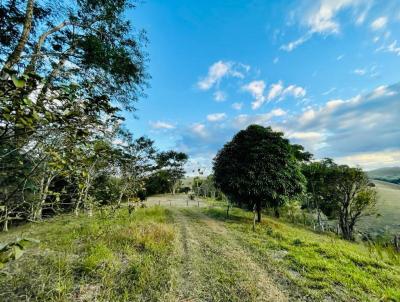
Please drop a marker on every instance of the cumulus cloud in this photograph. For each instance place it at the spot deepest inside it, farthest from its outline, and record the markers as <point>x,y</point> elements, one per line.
<point>237,106</point>
<point>276,91</point>
<point>295,91</point>
<point>219,96</point>
<point>161,125</point>
<point>199,130</point>
<point>256,89</point>
<point>219,70</point>
<point>243,120</point>
<point>379,23</point>
<point>216,117</point>
<point>362,130</point>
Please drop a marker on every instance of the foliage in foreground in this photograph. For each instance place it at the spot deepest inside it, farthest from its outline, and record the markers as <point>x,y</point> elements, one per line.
<point>103,258</point>
<point>137,258</point>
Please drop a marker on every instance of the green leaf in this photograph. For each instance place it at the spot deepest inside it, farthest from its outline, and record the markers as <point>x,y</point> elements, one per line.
<point>19,83</point>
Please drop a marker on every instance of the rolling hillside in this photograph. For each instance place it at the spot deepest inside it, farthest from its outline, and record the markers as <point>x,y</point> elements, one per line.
<point>386,174</point>
<point>387,220</point>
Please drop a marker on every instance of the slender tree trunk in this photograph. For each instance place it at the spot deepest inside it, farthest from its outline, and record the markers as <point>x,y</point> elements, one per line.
<point>44,192</point>
<point>258,208</point>
<point>5,223</point>
<point>254,217</point>
<point>37,50</point>
<point>14,57</point>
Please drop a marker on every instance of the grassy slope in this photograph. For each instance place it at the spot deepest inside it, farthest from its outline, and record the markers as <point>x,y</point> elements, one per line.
<point>171,254</point>
<point>388,207</point>
<point>385,172</point>
<point>391,174</point>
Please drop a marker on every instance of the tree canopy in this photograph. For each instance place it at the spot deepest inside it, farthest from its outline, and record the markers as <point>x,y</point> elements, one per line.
<point>259,168</point>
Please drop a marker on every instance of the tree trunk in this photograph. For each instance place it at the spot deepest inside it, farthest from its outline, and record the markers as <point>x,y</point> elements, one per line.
<point>276,212</point>
<point>16,54</point>
<point>44,192</point>
<point>227,211</point>
<point>49,80</point>
<point>258,210</point>
<point>5,223</point>
<point>37,50</point>
<point>120,199</point>
<point>254,217</point>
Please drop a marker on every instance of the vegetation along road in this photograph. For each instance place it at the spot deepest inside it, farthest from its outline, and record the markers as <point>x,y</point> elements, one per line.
<point>190,253</point>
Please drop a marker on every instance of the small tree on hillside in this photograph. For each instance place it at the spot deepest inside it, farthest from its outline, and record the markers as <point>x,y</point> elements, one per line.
<point>340,192</point>
<point>356,198</point>
<point>259,168</point>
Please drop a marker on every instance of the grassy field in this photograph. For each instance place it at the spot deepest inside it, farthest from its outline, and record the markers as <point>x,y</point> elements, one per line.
<point>388,208</point>
<point>192,253</point>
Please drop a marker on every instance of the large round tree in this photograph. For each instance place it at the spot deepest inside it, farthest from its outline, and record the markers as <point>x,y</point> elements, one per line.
<point>259,168</point>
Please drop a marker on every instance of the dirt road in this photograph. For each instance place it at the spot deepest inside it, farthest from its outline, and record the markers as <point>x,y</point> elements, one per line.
<point>212,266</point>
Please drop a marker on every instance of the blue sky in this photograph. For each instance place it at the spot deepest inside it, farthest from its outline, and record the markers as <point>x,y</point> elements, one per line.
<point>325,72</point>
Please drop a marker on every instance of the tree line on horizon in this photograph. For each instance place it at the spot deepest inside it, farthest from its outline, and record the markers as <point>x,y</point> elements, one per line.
<point>68,70</point>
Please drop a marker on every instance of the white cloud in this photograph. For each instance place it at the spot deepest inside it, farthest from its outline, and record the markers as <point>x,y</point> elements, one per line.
<point>311,140</point>
<point>199,130</point>
<point>360,71</point>
<point>219,70</point>
<point>294,44</point>
<point>329,91</point>
<point>256,89</point>
<point>161,125</point>
<point>372,160</point>
<point>361,130</point>
<point>381,91</point>
<point>393,48</point>
<point>379,23</point>
<point>276,91</point>
<point>319,17</point>
<point>295,91</point>
<point>215,73</point>
<point>216,117</point>
<point>322,17</point>
<point>243,120</point>
<point>237,106</point>
<point>219,96</point>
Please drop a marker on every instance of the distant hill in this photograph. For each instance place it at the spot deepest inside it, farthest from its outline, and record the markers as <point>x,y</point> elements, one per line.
<point>391,174</point>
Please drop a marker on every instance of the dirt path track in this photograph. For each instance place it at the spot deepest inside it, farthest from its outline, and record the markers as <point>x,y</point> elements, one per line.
<point>213,266</point>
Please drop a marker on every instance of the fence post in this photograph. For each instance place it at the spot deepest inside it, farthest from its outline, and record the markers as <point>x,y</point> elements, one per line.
<point>396,243</point>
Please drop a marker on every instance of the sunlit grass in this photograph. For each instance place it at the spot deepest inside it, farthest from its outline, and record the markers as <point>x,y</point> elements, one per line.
<point>321,265</point>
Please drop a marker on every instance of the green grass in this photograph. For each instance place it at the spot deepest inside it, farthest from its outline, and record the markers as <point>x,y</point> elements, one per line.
<point>192,254</point>
<point>319,265</point>
<point>104,258</point>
